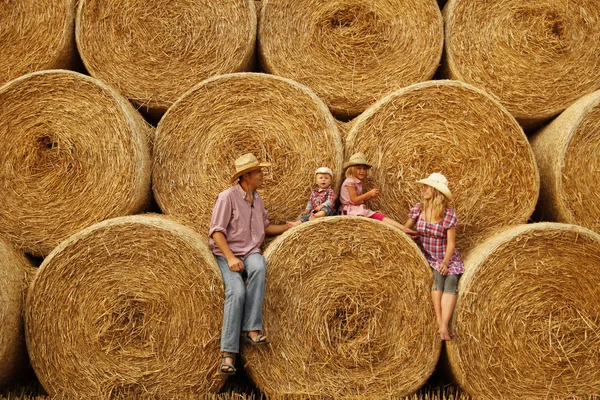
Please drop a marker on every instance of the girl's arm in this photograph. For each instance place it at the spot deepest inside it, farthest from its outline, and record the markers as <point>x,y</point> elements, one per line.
<point>363,197</point>
<point>410,223</point>
<point>443,268</point>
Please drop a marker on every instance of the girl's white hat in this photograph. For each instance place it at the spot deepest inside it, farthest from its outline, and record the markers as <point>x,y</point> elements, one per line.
<point>324,170</point>
<point>439,182</point>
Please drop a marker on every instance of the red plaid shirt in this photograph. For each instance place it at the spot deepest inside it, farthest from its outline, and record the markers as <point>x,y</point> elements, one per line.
<point>318,197</point>
<point>434,238</point>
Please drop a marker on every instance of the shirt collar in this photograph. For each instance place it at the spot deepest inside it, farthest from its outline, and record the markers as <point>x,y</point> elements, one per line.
<point>244,194</point>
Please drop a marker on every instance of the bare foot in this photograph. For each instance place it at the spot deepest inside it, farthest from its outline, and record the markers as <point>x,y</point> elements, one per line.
<point>444,334</point>
<point>295,223</point>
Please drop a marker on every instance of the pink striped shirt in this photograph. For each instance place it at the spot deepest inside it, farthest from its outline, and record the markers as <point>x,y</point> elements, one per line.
<point>243,225</point>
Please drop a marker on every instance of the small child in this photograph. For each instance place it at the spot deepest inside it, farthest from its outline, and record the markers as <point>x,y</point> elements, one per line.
<point>352,197</point>
<point>320,202</point>
<point>436,225</point>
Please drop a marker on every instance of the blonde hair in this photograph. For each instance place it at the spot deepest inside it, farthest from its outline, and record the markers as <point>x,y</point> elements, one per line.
<point>351,171</point>
<point>438,204</point>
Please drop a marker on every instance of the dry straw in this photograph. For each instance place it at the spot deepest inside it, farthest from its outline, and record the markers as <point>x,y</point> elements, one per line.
<point>568,154</point>
<point>74,152</point>
<point>136,310</point>
<point>15,272</point>
<point>537,57</point>
<point>36,35</point>
<point>154,51</point>
<point>351,52</point>
<point>199,138</point>
<point>527,316</point>
<point>460,131</point>
<point>347,309</point>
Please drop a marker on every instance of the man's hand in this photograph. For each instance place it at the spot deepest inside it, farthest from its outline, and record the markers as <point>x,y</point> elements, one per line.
<point>235,264</point>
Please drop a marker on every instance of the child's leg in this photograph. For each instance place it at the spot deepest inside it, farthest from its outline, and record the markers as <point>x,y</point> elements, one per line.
<point>436,296</point>
<point>322,213</point>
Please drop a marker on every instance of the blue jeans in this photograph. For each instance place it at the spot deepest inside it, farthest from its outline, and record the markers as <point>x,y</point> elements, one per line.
<point>242,310</point>
<point>327,210</point>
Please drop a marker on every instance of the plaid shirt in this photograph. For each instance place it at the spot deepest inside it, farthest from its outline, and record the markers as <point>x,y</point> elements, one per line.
<point>434,239</point>
<point>318,197</point>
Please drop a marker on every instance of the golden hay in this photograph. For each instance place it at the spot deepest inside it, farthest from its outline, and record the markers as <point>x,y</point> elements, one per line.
<point>527,316</point>
<point>136,310</point>
<point>36,35</point>
<point>74,152</point>
<point>154,51</point>
<point>537,57</point>
<point>15,270</point>
<point>347,309</point>
<point>351,52</point>
<point>460,131</point>
<point>199,138</point>
<point>568,155</point>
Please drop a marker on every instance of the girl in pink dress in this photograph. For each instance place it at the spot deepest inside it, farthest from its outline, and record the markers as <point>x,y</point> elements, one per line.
<point>436,225</point>
<point>352,197</point>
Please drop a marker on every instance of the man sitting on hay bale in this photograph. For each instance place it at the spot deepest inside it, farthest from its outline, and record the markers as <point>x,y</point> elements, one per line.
<point>237,229</point>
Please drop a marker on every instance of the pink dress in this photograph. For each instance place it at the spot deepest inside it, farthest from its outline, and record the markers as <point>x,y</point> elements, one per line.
<point>348,207</point>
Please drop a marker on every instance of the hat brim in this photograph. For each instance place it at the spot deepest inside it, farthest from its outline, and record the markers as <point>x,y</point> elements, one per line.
<point>249,169</point>
<point>443,189</point>
<point>351,164</point>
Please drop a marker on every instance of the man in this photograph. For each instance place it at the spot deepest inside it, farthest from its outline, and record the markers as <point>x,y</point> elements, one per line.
<point>237,229</point>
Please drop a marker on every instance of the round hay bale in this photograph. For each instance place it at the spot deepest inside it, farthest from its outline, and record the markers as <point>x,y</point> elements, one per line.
<point>348,312</point>
<point>154,51</point>
<point>567,152</point>
<point>460,131</point>
<point>527,316</point>
<point>74,152</point>
<point>15,271</point>
<point>136,311</point>
<point>199,138</point>
<point>36,35</point>
<point>536,57</point>
<point>351,52</point>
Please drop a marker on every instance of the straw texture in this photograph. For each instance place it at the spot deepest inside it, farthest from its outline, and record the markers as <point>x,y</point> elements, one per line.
<point>278,120</point>
<point>15,271</point>
<point>460,131</point>
<point>527,317</point>
<point>568,154</point>
<point>347,309</point>
<point>36,35</point>
<point>351,52</point>
<point>536,57</point>
<point>136,306</point>
<point>154,51</point>
<point>72,152</point>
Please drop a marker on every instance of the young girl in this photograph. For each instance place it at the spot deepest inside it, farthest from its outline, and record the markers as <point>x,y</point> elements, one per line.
<point>436,225</point>
<point>352,197</point>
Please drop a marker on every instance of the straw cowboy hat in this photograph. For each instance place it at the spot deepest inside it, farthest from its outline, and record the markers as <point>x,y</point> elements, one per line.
<point>439,182</point>
<point>246,163</point>
<point>357,159</point>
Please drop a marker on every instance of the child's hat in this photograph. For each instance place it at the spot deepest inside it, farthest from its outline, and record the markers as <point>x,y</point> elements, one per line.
<point>246,163</point>
<point>324,170</point>
<point>439,182</point>
<point>357,159</point>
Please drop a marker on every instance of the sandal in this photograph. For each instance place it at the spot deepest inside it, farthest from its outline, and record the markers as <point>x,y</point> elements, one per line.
<point>227,368</point>
<point>261,340</point>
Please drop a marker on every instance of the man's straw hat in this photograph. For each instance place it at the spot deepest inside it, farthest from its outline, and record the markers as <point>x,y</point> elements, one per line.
<point>246,163</point>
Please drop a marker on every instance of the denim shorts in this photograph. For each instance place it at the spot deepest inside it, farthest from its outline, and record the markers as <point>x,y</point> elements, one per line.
<point>327,209</point>
<point>446,283</point>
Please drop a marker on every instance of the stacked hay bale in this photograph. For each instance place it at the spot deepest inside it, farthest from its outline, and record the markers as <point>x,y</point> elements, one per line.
<point>15,272</point>
<point>347,309</point>
<point>36,35</point>
<point>568,152</point>
<point>351,52</point>
<point>154,51</point>
<point>536,57</point>
<point>455,129</point>
<point>136,310</point>
<point>527,320</point>
<point>224,117</point>
<point>74,152</point>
